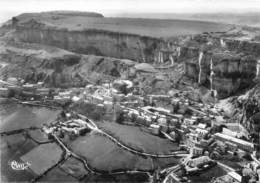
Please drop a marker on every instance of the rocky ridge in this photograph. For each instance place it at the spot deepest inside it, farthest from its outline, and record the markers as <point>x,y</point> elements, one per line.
<point>225,62</point>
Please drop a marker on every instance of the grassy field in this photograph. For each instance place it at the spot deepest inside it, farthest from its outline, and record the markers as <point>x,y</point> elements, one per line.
<point>147,27</point>
<point>12,148</point>
<point>43,157</point>
<point>138,138</point>
<point>38,135</point>
<point>13,117</point>
<point>121,178</point>
<point>57,175</point>
<point>19,117</point>
<point>104,154</point>
<point>74,167</point>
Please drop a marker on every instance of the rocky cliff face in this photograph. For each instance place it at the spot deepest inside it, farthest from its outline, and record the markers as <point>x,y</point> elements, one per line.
<point>211,61</point>
<point>232,72</point>
<point>220,62</point>
<point>59,68</point>
<point>97,42</point>
<point>235,42</point>
<point>224,72</point>
<point>247,47</point>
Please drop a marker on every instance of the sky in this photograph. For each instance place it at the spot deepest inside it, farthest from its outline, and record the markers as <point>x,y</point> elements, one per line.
<point>9,8</point>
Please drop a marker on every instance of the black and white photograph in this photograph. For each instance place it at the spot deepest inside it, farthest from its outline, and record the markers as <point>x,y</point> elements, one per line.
<point>130,91</point>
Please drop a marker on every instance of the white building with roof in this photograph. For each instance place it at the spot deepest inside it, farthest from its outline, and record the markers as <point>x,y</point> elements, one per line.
<point>242,144</point>
<point>235,177</point>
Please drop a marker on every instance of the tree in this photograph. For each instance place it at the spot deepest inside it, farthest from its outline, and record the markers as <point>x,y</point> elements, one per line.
<point>120,117</point>
<point>11,93</point>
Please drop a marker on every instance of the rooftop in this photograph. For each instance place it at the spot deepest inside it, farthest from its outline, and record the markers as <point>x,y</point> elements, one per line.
<point>234,139</point>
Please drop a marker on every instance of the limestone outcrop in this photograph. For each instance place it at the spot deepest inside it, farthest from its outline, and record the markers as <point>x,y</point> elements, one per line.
<point>215,60</point>
<point>57,67</point>
<point>224,72</point>
<point>90,41</point>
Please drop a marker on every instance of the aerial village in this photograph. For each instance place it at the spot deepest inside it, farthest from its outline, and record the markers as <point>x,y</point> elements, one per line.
<point>204,137</point>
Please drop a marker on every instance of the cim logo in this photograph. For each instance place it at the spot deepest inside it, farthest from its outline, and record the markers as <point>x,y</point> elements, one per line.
<point>19,166</point>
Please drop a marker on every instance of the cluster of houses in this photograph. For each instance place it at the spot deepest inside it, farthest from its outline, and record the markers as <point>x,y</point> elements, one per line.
<point>248,174</point>
<point>14,87</point>
<point>72,128</point>
<point>195,127</point>
<point>231,141</point>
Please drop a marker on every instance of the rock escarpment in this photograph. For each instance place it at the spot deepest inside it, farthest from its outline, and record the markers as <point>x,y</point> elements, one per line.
<point>90,41</point>
<point>213,62</point>
<point>224,72</point>
<point>247,47</point>
<point>211,59</point>
<point>57,67</point>
<point>232,73</point>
